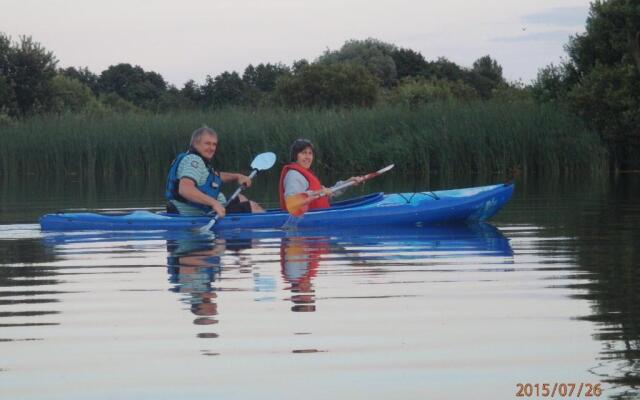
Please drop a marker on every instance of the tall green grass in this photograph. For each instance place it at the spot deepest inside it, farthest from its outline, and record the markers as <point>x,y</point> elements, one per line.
<point>482,137</point>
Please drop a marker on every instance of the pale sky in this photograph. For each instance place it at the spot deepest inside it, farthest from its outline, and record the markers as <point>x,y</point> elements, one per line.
<point>190,39</point>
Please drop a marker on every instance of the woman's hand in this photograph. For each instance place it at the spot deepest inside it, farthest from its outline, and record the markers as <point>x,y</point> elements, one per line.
<point>356,180</point>
<point>318,193</point>
<point>326,191</point>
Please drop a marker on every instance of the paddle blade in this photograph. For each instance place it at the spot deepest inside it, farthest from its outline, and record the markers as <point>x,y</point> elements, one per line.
<point>263,161</point>
<point>385,169</point>
<point>298,204</point>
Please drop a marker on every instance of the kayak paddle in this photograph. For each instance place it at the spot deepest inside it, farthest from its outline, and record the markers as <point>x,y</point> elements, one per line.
<point>261,162</point>
<point>298,204</point>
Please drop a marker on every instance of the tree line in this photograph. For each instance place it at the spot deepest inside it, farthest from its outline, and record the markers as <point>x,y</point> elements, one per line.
<point>360,73</point>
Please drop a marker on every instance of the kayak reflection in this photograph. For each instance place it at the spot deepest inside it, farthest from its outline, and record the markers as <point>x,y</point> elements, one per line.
<point>304,252</point>
<point>199,264</point>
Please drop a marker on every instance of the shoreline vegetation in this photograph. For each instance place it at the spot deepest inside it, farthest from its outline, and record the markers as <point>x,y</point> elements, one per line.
<point>482,137</point>
<point>364,105</point>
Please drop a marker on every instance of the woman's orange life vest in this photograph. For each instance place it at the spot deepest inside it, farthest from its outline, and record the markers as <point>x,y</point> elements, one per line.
<point>314,184</point>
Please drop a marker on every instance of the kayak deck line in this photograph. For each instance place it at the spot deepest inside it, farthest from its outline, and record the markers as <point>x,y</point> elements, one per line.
<point>465,205</point>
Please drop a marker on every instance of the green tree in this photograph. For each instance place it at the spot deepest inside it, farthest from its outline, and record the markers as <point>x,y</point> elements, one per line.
<point>133,84</point>
<point>319,85</point>
<point>608,98</point>
<point>416,91</point>
<point>26,69</point>
<point>298,65</point>
<point>485,76</point>
<point>513,92</point>
<point>264,76</point>
<point>117,104</point>
<point>477,78</point>
<point>70,94</point>
<point>444,69</point>
<point>604,73</point>
<point>223,90</point>
<point>551,84</point>
<point>488,68</point>
<point>612,36</point>
<point>7,95</point>
<point>174,99</point>
<point>375,55</point>
<point>193,93</point>
<point>481,84</point>
<point>408,63</point>
<point>260,81</point>
<point>83,75</point>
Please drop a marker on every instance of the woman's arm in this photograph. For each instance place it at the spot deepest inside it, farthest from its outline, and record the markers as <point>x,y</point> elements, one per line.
<point>294,183</point>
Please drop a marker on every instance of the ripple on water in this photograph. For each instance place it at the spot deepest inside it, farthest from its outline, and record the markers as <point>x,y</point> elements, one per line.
<point>423,305</point>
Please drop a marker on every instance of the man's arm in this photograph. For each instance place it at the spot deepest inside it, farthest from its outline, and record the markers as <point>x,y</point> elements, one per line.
<point>187,189</point>
<point>234,177</point>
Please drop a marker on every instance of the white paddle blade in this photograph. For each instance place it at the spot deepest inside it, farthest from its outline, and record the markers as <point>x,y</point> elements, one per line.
<point>263,161</point>
<point>385,169</point>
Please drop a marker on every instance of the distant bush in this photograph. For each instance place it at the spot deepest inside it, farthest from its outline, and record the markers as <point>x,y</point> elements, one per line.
<point>71,95</point>
<point>318,85</point>
<point>416,91</point>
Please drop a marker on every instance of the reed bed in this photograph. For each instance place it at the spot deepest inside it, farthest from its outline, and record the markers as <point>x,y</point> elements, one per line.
<point>482,138</point>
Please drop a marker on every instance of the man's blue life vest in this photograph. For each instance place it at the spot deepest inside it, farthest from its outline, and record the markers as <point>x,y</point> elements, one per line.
<point>211,187</point>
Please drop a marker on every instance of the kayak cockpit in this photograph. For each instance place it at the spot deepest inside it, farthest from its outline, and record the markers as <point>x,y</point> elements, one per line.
<point>348,203</point>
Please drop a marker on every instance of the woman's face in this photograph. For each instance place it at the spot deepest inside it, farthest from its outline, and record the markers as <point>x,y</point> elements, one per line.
<point>305,158</point>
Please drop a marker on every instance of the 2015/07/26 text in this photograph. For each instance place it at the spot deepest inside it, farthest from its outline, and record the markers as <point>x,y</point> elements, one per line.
<point>558,389</point>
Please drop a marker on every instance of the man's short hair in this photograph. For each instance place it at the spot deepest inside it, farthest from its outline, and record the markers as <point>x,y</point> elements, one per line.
<point>203,130</point>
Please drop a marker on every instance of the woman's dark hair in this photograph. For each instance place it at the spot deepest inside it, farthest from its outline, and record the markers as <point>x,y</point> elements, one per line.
<point>298,146</point>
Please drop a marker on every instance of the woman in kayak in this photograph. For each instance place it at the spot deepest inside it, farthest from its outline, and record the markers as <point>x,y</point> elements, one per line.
<point>297,177</point>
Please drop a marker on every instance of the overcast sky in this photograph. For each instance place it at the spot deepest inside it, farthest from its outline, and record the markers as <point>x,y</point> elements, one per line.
<point>190,39</point>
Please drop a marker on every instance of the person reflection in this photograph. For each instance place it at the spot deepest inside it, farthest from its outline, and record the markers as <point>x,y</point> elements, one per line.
<point>193,265</point>
<point>299,260</point>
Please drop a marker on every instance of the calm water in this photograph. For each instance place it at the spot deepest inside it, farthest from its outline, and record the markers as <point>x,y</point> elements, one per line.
<point>548,293</point>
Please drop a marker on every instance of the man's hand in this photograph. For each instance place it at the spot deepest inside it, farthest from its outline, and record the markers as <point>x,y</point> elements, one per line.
<point>218,208</point>
<point>356,180</point>
<point>187,189</point>
<point>244,180</point>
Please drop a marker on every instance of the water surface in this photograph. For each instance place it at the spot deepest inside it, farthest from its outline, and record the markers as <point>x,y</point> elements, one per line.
<point>546,293</point>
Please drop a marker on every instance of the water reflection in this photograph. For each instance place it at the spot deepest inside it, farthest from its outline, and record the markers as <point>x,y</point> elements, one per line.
<point>21,283</point>
<point>602,218</point>
<point>195,261</point>
<point>193,265</point>
<point>565,300</point>
<point>303,254</point>
<point>299,260</point>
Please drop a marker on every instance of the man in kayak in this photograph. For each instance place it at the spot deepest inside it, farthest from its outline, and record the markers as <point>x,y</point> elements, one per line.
<point>297,177</point>
<point>193,187</point>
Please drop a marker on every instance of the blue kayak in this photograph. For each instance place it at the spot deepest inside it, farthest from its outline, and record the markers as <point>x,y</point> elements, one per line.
<point>402,209</point>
